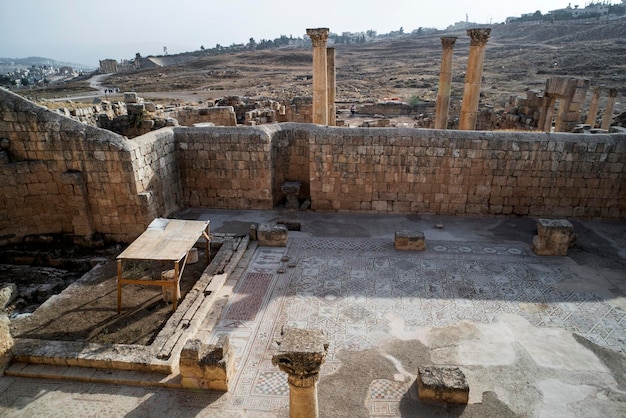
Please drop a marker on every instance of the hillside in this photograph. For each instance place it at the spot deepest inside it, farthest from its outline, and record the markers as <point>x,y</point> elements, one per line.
<point>518,57</point>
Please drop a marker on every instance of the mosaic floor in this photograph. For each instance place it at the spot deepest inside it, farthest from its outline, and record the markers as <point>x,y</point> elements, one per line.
<point>350,287</point>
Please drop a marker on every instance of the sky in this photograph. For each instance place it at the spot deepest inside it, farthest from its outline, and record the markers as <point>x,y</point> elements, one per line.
<point>86,31</point>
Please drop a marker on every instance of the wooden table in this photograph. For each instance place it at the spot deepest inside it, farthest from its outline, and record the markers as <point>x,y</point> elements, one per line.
<point>165,240</point>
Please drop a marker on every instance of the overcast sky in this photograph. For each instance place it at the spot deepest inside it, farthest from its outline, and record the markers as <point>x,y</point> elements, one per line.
<point>86,31</point>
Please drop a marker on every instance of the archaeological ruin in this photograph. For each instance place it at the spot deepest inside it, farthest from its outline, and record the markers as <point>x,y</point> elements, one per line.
<point>107,174</point>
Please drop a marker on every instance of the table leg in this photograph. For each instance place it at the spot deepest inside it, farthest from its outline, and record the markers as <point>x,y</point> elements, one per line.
<point>176,281</point>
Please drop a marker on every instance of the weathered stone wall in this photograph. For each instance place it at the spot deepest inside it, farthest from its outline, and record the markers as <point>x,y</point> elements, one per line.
<point>227,168</point>
<point>219,115</point>
<point>290,157</point>
<point>454,172</point>
<point>62,176</point>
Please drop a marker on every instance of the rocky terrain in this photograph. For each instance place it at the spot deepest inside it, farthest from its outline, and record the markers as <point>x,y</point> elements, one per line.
<point>518,57</point>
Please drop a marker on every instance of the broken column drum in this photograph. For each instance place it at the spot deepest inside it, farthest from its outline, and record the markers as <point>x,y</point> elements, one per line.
<point>301,355</point>
<point>445,78</point>
<point>593,108</point>
<point>473,76</point>
<point>608,112</point>
<point>319,37</point>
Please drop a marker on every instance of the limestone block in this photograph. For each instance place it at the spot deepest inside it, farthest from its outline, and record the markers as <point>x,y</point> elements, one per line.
<point>554,237</point>
<point>272,235</point>
<point>442,384</point>
<point>6,342</point>
<point>409,240</point>
<point>8,293</point>
<point>193,256</point>
<point>207,366</point>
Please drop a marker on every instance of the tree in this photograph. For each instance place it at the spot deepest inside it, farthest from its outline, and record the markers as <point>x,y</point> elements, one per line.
<point>137,56</point>
<point>252,43</point>
<point>401,31</point>
<point>202,48</point>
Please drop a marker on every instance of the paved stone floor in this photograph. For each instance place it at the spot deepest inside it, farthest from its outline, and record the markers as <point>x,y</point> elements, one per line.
<point>477,297</point>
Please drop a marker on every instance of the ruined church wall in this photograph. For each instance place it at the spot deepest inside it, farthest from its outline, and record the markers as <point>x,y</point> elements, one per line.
<point>227,168</point>
<point>290,160</point>
<point>219,115</point>
<point>65,177</point>
<point>468,173</point>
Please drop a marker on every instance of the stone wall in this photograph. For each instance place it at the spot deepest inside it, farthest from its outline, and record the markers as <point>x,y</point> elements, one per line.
<point>219,115</point>
<point>62,176</point>
<point>469,172</point>
<point>227,168</point>
<point>65,177</point>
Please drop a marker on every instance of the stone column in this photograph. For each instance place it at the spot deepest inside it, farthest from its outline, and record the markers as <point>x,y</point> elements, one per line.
<point>608,112</point>
<point>332,83</point>
<point>301,354</point>
<point>319,37</point>
<point>473,77</point>
<point>445,78</point>
<point>593,107</point>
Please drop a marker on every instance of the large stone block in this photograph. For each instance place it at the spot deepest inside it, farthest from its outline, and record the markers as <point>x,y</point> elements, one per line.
<point>204,366</point>
<point>409,240</point>
<point>6,341</point>
<point>554,237</point>
<point>270,235</point>
<point>442,384</point>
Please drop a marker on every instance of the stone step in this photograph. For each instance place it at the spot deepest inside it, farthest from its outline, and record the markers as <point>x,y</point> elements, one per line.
<point>96,375</point>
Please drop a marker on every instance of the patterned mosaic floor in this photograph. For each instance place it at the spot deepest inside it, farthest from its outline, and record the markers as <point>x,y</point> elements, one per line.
<point>349,287</point>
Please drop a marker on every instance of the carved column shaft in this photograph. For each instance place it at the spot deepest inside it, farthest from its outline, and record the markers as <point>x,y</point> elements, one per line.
<point>473,77</point>
<point>445,79</point>
<point>607,118</point>
<point>319,38</point>
<point>593,107</point>
<point>331,79</point>
<point>301,355</point>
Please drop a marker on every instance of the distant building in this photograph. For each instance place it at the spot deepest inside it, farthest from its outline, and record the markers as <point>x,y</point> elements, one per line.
<point>108,66</point>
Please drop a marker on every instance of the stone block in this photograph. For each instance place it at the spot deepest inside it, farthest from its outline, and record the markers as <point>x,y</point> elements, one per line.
<point>207,366</point>
<point>270,235</point>
<point>6,341</point>
<point>442,384</point>
<point>554,237</point>
<point>409,240</point>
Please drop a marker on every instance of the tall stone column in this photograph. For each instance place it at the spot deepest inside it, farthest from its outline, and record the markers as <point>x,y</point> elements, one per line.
<point>332,85</point>
<point>473,77</point>
<point>319,37</point>
<point>593,107</point>
<point>301,354</point>
<point>608,112</point>
<point>445,78</point>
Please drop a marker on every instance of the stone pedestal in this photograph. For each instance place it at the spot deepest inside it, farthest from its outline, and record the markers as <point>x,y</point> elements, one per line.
<point>204,366</point>
<point>270,235</point>
<point>445,78</point>
<point>301,354</point>
<point>291,190</point>
<point>442,384</point>
<point>554,237</point>
<point>473,77</point>
<point>319,37</point>
<point>409,240</point>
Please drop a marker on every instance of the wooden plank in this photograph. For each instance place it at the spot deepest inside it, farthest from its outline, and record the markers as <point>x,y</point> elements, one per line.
<point>165,239</point>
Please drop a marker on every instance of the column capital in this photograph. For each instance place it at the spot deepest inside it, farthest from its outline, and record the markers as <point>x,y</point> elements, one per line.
<point>301,355</point>
<point>447,42</point>
<point>613,92</point>
<point>478,36</point>
<point>318,36</point>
